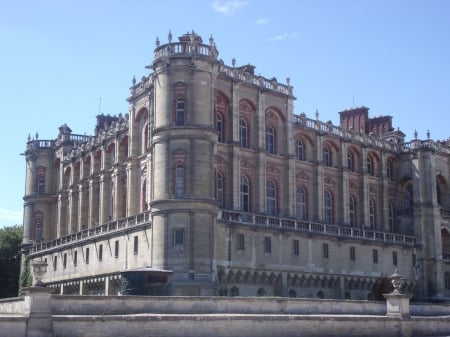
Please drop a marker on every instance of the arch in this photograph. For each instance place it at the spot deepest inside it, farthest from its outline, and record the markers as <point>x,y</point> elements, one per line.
<point>292,293</point>
<point>320,294</point>
<point>274,113</point>
<point>261,292</point>
<point>247,105</point>
<point>234,291</point>
<point>141,114</point>
<point>442,192</point>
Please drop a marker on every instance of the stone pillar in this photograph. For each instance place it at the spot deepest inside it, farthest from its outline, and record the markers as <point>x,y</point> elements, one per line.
<point>397,305</point>
<point>40,322</point>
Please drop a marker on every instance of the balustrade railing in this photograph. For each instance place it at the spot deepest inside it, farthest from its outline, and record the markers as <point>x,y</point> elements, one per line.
<point>314,227</point>
<point>107,228</point>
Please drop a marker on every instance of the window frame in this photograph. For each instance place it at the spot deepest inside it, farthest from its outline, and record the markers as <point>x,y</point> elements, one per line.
<point>180,111</point>
<point>271,197</point>
<point>267,245</point>
<point>244,194</point>
<point>178,236</point>
<point>243,133</point>
<point>270,140</point>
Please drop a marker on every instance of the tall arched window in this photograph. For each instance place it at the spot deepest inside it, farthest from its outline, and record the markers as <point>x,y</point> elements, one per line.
<point>270,140</point>
<point>219,189</point>
<point>180,112</point>
<point>243,133</point>
<point>328,207</point>
<point>38,227</point>
<point>391,218</point>
<point>447,280</point>
<point>179,182</point>
<point>370,169</point>
<point>327,156</point>
<point>350,161</point>
<point>41,184</point>
<point>219,126</point>
<point>371,214</point>
<point>300,150</point>
<point>389,170</point>
<point>271,198</point>
<point>352,211</point>
<point>301,204</point>
<point>245,194</point>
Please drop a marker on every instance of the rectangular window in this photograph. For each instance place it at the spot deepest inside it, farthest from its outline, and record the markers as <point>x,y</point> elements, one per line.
<point>55,262</point>
<point>75,258</point>
<point>296,247</point>
<point>394,258</point>
<point>87,256</point>
<point>240,241</point>
<point>267,245</point>
<point>116,249</point>
<point>65,260</point>
<point>325,250</point>
<point>178,236</point>
<point>135,244</point>
<point>100,252</point>
<point>375,256</point>
<point>352,254</point>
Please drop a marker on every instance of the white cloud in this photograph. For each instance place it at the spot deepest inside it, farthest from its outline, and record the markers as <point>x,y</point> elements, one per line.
<point>261,21</point>
<point>10,218</point>
<point>284,36</point>
<point>228,7</point>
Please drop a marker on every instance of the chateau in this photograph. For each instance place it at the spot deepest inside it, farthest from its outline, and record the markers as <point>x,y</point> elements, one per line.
<point>213,182</point>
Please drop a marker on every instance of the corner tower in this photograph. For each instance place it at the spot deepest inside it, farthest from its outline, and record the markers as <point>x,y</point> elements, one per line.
<point>182,140</point>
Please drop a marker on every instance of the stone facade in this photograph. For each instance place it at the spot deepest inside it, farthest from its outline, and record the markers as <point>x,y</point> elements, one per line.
<point>212,176</point>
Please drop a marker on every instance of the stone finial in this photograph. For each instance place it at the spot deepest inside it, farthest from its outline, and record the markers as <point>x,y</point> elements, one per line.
<point>37,135</point>
<point>428,134</point>
<point>211,40</point>
<point>29,137</point>
<point>415,134</point>
<point>157,42</point>
<point>317,114</point>
<point>288,80</point>
<point>133,81</point>
<point>233,62</point>
<point>170,37</point>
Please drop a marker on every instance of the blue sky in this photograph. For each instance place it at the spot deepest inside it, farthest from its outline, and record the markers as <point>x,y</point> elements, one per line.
<point>59,57</point>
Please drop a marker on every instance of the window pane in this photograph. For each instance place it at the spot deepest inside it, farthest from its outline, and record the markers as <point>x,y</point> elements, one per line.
<point>179,184</point>
<point>180,112</point>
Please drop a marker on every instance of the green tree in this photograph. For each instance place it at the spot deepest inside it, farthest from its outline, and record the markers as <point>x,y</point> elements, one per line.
<point>10,241</point>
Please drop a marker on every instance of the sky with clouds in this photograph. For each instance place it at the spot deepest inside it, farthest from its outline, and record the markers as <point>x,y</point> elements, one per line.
<point>64,61</point>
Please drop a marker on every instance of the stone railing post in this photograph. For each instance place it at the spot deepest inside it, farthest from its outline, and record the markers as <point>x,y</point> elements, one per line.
<point>397,304</point>
<point>40,322</point>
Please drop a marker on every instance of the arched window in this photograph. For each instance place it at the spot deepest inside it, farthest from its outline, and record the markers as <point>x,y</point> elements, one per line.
<point>370,170</point>
<point>320,294</point>
<point>245,194</point>
<point>270,140</point>
<point>438,194</point>
<point>219,189</point>
<point>352,211</point>
<point>328,207</point>
<point>219,127</point>
<point>300,150</point>
<point>292,293</point>
<point>408,200</point>
<point>180,113</point>
<point>179,182</point>
<point>447,280</point>
<point>243,133</point>
<point>327,156</point>
<point>38,227</point>
<point>350,161</point>
<point>271,198</point>
<point>261,292</point>
<point>301,204</point>
<point>391,218</point>
<point>41,184</point>
<point>371,214</point>
<point>234,292</point>
<point>389,170</point>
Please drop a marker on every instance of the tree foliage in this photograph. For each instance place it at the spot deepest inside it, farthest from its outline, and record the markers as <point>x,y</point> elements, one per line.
<point>10,242</point>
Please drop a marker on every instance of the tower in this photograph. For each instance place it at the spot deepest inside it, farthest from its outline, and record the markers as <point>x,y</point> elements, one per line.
<point>181,145</point>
